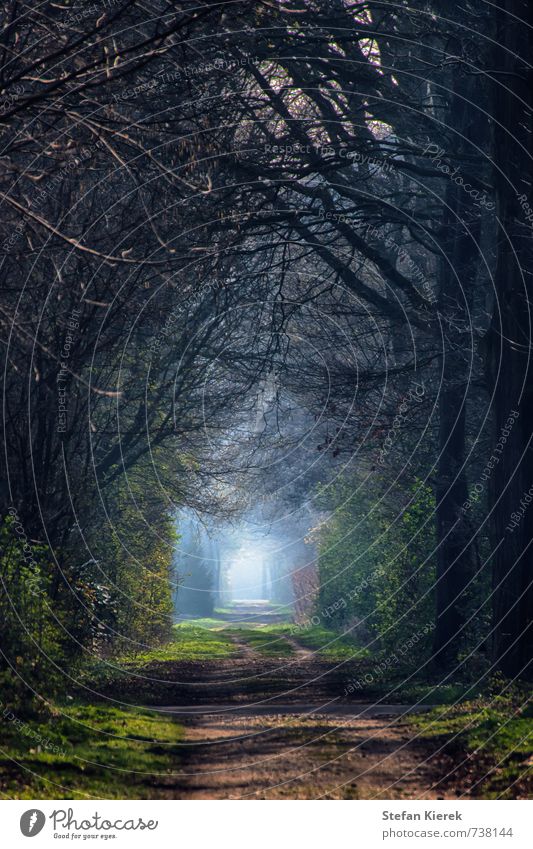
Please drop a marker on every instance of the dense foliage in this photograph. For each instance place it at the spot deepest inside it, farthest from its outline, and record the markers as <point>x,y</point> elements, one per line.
<point>377,564</point>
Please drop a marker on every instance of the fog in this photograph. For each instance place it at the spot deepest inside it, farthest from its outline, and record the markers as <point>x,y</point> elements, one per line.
<point>217,563</point>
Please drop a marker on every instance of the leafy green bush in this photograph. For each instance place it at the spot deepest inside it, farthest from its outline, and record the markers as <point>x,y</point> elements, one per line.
<point>377,564</point>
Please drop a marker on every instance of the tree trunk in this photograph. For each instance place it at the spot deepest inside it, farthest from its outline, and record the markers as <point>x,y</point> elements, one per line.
<point>458,271</point>
<point>454,558</point>
<point>509,342</point>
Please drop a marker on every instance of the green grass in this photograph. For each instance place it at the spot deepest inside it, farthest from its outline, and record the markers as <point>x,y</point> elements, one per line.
<point>268,640</point>
<point>209,623</point>
<point>198,639</point>
<point>271,607</point>
<point>498,737</point>
<point>397,688</point>
<point>329,645</point>
<point>89,751</point>
<point>426,694</point>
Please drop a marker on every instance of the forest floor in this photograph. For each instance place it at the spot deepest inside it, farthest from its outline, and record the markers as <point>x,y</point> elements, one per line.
<point>246,706</point>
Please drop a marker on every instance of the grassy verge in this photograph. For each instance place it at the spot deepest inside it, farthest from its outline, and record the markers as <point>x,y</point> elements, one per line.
<point>271,640</point>
<point>399,689</point>
<point>329,645</point>
<point>199,639</point>
<point>268,640</point>
<point>490,741</point>
<point>277,609</point>
<point>213,639</point>
<point>84,751</point>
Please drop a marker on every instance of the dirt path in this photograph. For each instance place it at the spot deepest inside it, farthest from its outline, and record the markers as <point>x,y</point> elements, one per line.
<point>303,755</point>
<point>272,720</point>
<point>304,752</point>
<point>277,728</point>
